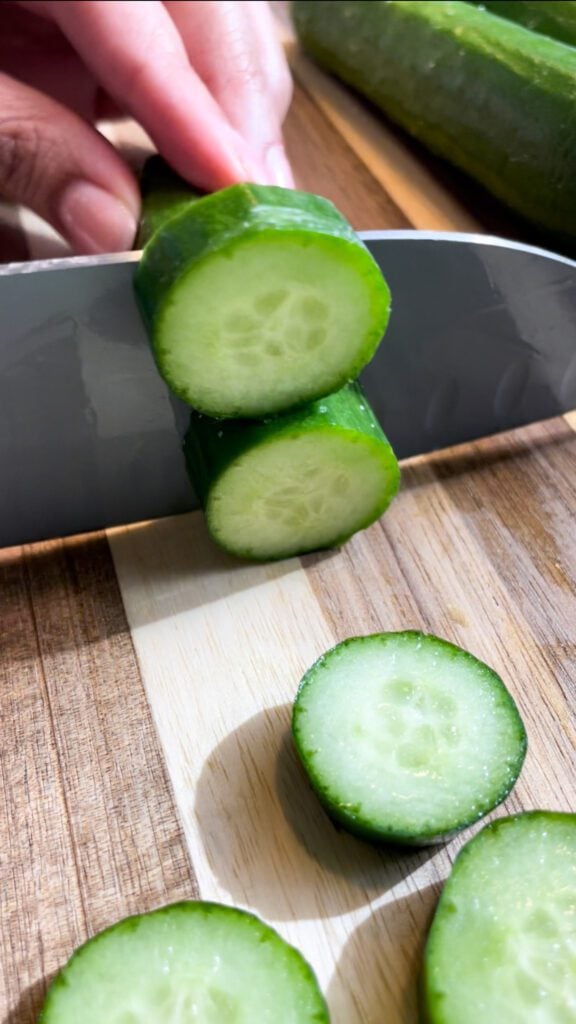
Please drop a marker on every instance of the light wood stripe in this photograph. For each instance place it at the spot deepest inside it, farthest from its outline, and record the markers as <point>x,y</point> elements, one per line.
<point>222,647</point>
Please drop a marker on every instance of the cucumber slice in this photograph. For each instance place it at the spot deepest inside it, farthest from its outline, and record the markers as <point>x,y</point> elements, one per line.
<point>296,483</point>
<point>405,737</point>
<point>190,962</point>
<point>502,946</point>
<point>258,299</point>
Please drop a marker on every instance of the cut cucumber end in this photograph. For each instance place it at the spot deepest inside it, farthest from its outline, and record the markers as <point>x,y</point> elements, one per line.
<point>502,945</point>
<point>294,483</point>
<point>258,299</point>
<point>201,962</point>
<point>407,738</point>
<point>274,320</point>
<point>301,493</point>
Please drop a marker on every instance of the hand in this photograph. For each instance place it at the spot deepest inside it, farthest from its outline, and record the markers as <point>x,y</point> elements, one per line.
<point>207,80</point>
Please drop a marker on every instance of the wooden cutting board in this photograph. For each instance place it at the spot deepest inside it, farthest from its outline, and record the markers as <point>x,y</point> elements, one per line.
<point>146,679</point>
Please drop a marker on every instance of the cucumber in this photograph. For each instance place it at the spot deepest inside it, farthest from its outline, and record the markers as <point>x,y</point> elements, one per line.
<point>190,962</point>
<point>502,945</point>
<point>258,299</point>
<point>555,18</point>
<point>164,195</point>
<point>295,483</point>
<point>493,98</point>
<point>406,738</point>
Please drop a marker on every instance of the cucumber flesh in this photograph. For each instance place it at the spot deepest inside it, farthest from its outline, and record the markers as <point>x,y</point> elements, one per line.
<point>405,737</point>
<point>190,963</point>
<point>502,945</point>
<point>296,483</point>
<point>258,299</point>
<point>272,322</point>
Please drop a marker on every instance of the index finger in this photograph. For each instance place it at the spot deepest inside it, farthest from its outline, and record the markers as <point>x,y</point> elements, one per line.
<point>236,51</point>
<point>137,55</point>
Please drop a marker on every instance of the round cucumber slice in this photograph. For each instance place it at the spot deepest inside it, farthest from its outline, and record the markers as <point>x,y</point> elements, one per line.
<point>407,738</point>
<point>189,963</point>
<point>502,945</point>
<point>258,299</point>
<point>296,483</point>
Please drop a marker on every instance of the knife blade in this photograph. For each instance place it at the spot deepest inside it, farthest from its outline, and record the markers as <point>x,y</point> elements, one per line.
<point>482,339</point>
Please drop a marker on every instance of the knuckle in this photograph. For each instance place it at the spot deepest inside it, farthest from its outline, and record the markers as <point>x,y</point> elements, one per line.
<point>242,79</point>
<point>20,152</point>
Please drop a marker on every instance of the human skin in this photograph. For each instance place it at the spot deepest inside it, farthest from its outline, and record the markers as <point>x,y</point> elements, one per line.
<point>207,80</point>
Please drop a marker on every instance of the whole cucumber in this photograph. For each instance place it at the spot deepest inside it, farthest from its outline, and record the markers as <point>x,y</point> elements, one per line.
<point>555,18</point>
<point>495,99</point>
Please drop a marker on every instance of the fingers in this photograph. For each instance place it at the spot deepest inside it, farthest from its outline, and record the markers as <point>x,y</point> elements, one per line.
<point>271,55</point>
<point>278,82</point>
<point>236,51</point>
<point>135,51</point>
<point>54,163</point>
<point>207,80</point>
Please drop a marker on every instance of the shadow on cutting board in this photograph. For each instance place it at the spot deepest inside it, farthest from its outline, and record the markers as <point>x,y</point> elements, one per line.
<point>268,841</point>
<point>27,1009</point>
<point>378,972</point>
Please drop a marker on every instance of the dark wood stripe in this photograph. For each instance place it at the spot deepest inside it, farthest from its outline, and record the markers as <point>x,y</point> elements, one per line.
<point>88,816</point>
<point>493,518</point>
<point>316,149</point>
<point>41,912</point>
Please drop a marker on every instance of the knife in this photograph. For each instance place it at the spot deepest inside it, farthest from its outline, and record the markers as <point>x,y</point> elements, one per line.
<point>482,338</point>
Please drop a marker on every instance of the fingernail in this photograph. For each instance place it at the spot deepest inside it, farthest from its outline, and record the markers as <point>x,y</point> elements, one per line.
<point>94,221</point>
<point>277,166</point>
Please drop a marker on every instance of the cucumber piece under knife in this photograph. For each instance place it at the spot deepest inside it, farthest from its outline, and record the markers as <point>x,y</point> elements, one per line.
<point>299,482</point>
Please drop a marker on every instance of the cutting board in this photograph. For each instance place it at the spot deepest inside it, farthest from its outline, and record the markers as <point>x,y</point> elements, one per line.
<point>146,679</point>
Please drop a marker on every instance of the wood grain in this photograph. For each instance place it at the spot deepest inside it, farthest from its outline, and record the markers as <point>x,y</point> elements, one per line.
<point>222,647</point>
<point>88,831</point>
<point>146,681</point>
<point>315,149</point>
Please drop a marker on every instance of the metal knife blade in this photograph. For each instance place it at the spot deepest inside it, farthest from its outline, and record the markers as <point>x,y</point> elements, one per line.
<point>482,338</point>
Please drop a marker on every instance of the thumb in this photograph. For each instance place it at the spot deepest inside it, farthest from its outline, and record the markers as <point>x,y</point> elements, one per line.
<point>60,167</point>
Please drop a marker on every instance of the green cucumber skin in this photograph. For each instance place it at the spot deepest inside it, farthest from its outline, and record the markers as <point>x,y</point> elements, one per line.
<point>486,94</point>
<point>211,446</point>
<point>164,195</point>
<point>431,1008</point>
<point>351,821</point>
<point>218,221</point>
<point>554,18</point>
<point>199,908</point>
